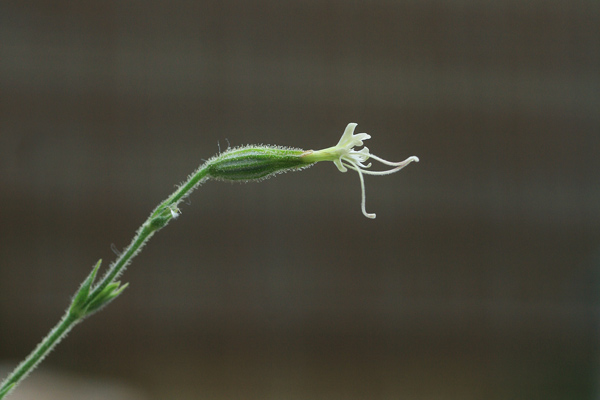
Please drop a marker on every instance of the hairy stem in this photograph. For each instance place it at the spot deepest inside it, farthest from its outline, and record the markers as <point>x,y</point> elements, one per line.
<point>39,353</point>
<point>156,221</point>
<point>248,163</point>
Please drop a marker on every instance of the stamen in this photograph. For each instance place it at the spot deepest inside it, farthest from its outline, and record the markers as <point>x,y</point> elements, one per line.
<point>401,163</point>
<point>366,171</point>
<point>364,196</point>
<point>363,201</point>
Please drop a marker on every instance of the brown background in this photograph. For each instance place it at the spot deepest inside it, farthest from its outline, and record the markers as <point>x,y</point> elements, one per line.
<point>478,280</point>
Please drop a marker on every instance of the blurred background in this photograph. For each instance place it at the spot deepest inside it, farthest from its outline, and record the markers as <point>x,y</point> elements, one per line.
<point>478,279</point>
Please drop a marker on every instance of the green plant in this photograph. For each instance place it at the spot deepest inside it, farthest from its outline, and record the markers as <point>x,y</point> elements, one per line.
<point>248,163</point>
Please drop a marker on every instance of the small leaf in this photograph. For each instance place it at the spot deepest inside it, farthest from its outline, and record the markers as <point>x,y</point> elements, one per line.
<point>108,294</point>
<point>78,303</point>
<point>118,291</point>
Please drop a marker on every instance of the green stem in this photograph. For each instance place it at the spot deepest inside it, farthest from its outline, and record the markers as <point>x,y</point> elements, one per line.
<point>183,191</point>
<point>156,221</point>
<point>142,236</point>
<point>246,164</point>
<point>37,355</point>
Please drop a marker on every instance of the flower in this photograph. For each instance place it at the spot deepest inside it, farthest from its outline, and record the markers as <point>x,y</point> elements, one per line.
<point>258,162</point>
<point>345,157</point>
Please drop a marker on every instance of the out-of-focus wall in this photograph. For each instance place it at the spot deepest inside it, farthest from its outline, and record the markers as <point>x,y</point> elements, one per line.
<point>478,279</point>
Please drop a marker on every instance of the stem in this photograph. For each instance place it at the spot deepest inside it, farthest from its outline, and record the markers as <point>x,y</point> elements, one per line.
<point>183,191</point>
<point>148,228</point>
<point>156,221</point>
<point>245,164</point>
<point>142,236</point>
<point>37,355</point>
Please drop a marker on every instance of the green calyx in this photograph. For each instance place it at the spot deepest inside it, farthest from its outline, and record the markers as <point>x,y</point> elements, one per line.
<point>255,163</point>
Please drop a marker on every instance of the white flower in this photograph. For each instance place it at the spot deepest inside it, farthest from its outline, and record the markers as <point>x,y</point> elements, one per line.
<point>345,157</point>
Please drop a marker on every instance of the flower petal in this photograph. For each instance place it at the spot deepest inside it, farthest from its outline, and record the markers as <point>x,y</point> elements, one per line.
<point>338,163</point>
<point>361,155</point>
<point>347,137</point>
<point>357,140</point>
